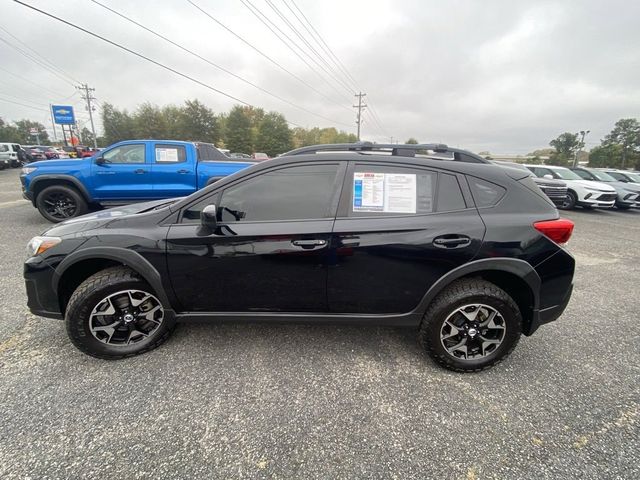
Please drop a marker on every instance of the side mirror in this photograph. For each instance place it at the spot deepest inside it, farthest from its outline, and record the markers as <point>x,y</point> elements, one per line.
<point>100,161</point>
<point>548,176</point>
<point>209,217</point>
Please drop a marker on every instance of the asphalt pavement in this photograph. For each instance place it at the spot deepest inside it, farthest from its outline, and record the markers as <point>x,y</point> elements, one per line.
<point>312,401</point>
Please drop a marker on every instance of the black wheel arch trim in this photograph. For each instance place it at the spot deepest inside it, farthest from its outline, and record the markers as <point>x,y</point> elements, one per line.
<point>515,266</point>
<point>70,178</point>
<point>125,256</point>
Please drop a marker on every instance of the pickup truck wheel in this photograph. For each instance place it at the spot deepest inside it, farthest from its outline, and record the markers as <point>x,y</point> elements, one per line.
<point>58,203</point>
<point>470,326</point>
<point>16,163</point>
<point>114,314</point>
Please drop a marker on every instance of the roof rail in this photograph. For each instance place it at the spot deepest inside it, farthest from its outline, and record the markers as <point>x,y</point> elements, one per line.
<point>401,150</point>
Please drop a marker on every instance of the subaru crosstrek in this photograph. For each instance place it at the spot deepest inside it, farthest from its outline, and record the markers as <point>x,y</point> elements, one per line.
<point>425,236</point>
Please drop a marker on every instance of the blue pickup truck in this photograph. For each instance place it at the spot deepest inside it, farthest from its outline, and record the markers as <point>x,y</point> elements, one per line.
<point>125,172</point>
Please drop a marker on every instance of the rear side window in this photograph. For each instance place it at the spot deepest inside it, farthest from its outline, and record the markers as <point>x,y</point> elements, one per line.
<point>449,194</point>
<point>485,194</point>
<point>378,190</point>
<point>4,148</point>
<point>170,154</point>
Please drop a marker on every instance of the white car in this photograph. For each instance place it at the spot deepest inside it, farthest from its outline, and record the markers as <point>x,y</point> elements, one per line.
<point>580,192</point>
<point>9,155</point>
<point>624,176</point>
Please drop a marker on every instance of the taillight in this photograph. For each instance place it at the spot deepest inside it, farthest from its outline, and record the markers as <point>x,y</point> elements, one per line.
<point>559,230</point>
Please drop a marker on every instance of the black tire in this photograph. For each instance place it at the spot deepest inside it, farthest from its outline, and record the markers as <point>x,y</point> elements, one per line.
<point>90,294</point>
<point>446,304</point>
<point>60,202</point>
<point>16,163</point>
<point>570,201</point>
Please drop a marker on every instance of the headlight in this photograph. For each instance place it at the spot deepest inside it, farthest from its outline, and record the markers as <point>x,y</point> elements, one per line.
<point>38,245</point>
<point>28,170</point>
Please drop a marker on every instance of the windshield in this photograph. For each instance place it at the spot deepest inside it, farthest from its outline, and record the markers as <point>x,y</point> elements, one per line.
<point>566,174</point>
<point>635,178</point>
<point>603,177</point>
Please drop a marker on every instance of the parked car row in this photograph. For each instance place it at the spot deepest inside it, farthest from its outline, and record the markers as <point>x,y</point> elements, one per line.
<point>585,187</point>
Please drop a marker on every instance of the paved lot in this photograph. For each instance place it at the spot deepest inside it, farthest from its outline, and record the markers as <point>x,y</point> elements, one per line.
<point>255,401</point>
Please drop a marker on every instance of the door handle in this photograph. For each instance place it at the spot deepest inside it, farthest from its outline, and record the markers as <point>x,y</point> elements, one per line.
<point>139,170</point>
<point>452,241</point>
<point>309,244</point>
<point>183,171</point>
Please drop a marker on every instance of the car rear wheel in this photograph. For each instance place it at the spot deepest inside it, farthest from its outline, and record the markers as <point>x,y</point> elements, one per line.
<point>570,201</point>
<point>470,326</point>
<point>59,203</point>
<point>115,314</point>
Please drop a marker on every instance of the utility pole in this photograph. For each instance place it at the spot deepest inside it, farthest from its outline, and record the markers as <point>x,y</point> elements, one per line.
<point>360,107</point>
<point>88,96</point>
<point>583,133</point>
<point>53,124</point>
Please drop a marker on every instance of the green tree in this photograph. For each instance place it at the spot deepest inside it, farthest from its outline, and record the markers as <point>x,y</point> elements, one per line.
<point>87,136</point>
<point>173,118</point>
<point>198,122</point>
<point>149,122</point>
<point>566,146</point>
<point>238,137</point>
<point>24,126</point>
<point>609,155</point>
<point>118,124</point>
<point>412,141</point>
<point>9,133</point>
<point>274,136</point>
<point>626,134</point>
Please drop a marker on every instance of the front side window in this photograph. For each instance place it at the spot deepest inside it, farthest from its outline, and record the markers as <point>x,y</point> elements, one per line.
<point>125,154</point>
<point>294,193</point>
<point>170,154</point>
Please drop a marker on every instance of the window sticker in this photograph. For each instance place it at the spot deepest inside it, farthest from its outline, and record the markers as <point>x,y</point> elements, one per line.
<point>384,192</point>
<point>166,154</point>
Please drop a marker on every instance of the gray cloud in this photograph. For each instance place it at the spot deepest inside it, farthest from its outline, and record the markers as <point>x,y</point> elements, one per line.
<point>494,75</point>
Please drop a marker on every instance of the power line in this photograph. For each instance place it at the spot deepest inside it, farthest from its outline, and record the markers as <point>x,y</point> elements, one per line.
<point>22,104</point>
<point>25,79</point>
<point>34,60</point>
<point>260,52</point>
<point>271,25</point>
<point>88,96</point>
<point>321,42</point>
<point>190,52</point>
<point>360,107</point>
<point>45,60</point>
<point>122,47</point>
<point>313,32</point>
<point>330,71</point>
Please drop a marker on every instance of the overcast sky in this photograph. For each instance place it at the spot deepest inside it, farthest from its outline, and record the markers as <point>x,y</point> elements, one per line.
<point>503,76</point>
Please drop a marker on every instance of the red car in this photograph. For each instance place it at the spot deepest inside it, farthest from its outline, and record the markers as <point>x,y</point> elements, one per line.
<point>259,156</point>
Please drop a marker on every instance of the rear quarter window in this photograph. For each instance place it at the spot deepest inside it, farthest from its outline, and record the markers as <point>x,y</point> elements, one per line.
<point>485,194</point>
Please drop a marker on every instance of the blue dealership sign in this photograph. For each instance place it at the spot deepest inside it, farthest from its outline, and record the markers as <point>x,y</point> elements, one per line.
<point>63,114</point>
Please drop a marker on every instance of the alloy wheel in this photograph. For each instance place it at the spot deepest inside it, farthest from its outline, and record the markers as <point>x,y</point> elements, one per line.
<point>60,205</point>
<point>126,317</point>
<point>473,331</point>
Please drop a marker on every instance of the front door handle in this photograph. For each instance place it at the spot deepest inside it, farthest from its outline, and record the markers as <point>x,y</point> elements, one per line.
<point>309,244</point>
<point>139,170</point>
<point>452,241</point>
<point>183,171</point>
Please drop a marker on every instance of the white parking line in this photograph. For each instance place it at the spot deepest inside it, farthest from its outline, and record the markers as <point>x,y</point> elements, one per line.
<point>12,202</point>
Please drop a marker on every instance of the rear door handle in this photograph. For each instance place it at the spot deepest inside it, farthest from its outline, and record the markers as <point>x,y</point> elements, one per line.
<point>451,241</point>
<point>139,170</point>
<point>309,244</point>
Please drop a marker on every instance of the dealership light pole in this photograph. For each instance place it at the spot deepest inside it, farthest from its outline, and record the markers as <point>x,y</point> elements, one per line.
<point>88,96</point>
<point>583,133</point>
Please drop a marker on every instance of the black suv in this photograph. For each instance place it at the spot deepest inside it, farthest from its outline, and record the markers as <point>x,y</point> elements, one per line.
<point>406,235</point>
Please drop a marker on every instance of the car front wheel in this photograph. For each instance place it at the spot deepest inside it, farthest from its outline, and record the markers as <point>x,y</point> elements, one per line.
<point>59,203</point>
<point>115,314</point>
<point>471,325</point>
<point>570,201</point>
